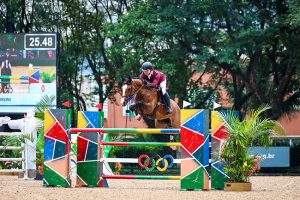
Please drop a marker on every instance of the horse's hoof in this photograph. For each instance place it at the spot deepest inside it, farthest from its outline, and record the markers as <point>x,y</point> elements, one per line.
<point>138,118</point>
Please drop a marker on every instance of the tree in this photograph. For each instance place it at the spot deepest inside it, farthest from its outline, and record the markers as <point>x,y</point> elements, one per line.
<point>252,41</point>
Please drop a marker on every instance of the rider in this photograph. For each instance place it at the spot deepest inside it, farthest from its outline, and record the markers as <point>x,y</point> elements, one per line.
<point>6,71</point>
<point>154,78</point>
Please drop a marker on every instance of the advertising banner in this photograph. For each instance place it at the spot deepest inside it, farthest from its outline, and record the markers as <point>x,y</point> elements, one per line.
<point>272,156</point>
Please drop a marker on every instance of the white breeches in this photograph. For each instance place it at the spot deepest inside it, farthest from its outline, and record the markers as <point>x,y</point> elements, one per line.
<point>163,86</point>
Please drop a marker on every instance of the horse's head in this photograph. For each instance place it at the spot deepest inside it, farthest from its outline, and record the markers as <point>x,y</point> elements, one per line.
<point>129,89</point>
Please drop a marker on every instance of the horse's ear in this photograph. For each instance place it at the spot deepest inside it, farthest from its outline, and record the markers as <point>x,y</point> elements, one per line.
<point>129,79</point>
<point>123,79</point>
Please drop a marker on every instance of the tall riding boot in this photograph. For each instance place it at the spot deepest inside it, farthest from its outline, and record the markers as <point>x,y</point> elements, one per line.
<point>167,102</point>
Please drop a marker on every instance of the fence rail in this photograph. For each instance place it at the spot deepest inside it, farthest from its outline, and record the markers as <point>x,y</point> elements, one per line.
<point>16,148</point>
<point>11,148</point>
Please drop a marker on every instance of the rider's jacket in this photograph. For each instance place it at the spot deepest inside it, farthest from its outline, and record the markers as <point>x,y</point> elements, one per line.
<point>6,68</point>
<point>155,78</point>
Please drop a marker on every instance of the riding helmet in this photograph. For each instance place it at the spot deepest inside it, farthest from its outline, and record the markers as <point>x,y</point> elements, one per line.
<point>147,65</point>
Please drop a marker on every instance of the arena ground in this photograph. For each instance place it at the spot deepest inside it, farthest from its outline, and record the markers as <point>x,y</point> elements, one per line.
<point>263,187</point>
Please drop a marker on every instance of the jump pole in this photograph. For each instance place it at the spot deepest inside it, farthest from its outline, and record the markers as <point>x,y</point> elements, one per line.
<point>141,177</point>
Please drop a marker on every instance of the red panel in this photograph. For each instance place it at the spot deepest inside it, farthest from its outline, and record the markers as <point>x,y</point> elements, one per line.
<point>58,132</point>
<point>31,80</point>
<point>221,133</point>
<point>190,140</point>
<point>81,148</point>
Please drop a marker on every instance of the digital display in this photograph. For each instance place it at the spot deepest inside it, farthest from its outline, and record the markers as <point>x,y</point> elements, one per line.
<point>28,70</point>
<point>40,42</point>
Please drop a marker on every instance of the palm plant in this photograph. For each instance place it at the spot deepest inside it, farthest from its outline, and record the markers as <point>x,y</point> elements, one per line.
<point>252,130</point>
<point>43,104</point>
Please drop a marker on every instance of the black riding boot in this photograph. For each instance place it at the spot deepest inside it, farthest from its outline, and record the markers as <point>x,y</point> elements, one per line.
<point>167,102</point>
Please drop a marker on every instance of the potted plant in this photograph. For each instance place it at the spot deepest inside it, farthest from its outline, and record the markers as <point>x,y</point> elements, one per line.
<point>252,130</point>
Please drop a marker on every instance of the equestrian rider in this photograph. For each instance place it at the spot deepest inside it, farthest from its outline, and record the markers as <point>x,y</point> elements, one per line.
<point>154,78</point>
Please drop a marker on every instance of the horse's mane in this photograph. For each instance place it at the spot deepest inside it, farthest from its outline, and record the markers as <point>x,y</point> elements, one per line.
<point>148,87</point>
<point>142,80</point>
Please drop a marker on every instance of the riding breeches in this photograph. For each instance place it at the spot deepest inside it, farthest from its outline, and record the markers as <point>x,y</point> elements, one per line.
<point>163,86</point>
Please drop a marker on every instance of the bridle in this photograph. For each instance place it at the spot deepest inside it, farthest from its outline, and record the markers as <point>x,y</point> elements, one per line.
<point>126,99</point>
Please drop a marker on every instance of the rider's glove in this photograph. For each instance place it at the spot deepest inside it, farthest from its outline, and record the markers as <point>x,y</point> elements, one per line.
<point>145,82</point>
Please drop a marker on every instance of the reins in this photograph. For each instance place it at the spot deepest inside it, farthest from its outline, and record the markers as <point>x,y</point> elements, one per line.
<point>128,98</point>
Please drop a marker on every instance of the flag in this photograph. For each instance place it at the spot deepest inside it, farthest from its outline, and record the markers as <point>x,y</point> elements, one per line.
<point>67,104</point>
<point>216,105</point>
<point>185,103</point>
<point>99,106</point>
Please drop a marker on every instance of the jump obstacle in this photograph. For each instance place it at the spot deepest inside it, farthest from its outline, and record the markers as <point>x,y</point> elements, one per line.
<point>194,146</point>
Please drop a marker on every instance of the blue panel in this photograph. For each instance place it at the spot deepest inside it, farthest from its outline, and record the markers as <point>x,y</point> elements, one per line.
<point>198,155</point>
<point>48,149</point>
<point>60,149</point>
<point>92,136</point>
<point>202,154</point>
<point>36,75</point>
<point>89,125</point>
<point>219,165</point>
<point>92,151</point>
<point>206,150</point>
<point>198,122</point>
<point>170,130</point>
<point>93,118</point>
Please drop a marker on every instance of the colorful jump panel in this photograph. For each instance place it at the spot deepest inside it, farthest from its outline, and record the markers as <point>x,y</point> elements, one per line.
<point>56,147</point>
<point>88,159</point>
<point>194,138</point>
<point>218,136</point>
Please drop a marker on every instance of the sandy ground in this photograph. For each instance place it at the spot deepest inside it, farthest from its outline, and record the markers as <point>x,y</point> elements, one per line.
<point>263,187</point>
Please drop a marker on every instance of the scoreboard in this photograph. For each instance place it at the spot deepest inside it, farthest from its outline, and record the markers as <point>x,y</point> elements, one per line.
<point>28,70</point>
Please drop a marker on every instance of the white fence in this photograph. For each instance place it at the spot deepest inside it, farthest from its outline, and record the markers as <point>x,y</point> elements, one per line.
<point>15,148</point>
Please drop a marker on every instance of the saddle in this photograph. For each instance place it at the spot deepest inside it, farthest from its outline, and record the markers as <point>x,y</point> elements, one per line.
<point>160,97</point>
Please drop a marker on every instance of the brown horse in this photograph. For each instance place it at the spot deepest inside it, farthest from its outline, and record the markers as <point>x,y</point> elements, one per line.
<point>147,104</point>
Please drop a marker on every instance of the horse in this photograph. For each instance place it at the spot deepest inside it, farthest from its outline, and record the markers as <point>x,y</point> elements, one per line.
<point>148,105</point>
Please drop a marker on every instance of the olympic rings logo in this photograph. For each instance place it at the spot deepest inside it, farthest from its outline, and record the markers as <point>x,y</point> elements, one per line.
<point>149,163</point>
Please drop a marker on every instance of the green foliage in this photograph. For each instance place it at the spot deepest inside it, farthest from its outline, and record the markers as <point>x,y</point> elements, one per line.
<point>45,103</point>
<point>40,147</point>
<point>10,141</point>
<point>47,78</point>
<point>252,130</point>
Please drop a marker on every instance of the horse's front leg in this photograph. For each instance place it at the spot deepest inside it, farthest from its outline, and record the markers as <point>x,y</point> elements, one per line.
<point>132,107</point>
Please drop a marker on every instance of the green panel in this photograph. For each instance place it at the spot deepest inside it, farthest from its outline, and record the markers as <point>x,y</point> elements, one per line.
<point>217,179</point>
<point>53,179</point>
<point>101,117</point>
<point>106,149</point>
<point>193,181</point>
<point>89,172</point>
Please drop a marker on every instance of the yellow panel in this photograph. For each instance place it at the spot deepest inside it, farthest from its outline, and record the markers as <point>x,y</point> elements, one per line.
<point>49,120</point>
<point>30,71</point>
<point>82,122</point>
<point>216,121</point>
<point>186,114</point>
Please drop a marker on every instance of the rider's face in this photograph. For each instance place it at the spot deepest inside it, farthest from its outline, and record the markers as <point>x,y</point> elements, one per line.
<point>147,72</point>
